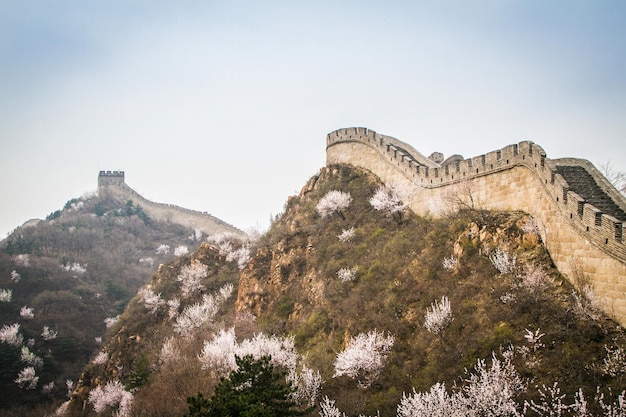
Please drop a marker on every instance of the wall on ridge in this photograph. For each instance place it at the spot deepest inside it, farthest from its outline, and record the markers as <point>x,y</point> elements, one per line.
<point>579,237</point>
<point>111,184</point>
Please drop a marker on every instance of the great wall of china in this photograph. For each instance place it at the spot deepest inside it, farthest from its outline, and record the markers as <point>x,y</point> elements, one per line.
<point>580,214</point>
<point>111,184</point>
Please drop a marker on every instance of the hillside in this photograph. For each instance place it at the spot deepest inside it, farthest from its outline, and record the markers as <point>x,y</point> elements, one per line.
<point>320,282</point>
<point>60,278</point>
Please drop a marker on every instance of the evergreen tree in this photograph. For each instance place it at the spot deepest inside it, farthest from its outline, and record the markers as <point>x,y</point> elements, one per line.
<point>254,389</point>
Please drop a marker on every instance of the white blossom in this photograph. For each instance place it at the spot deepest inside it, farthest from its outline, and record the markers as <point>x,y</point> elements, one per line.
<point>173,306</point>
<point>191,277</point>
<point>69,385</point>
<point>181,250</point>
<point>328,409</point>
<point>147,261</point>
<point>219,354</point>
<point>98,340</point>
<point>364,357</point>
<point>101,358</point>
<point>438,315</point>
<point>27,313</point>
<point>333,201</point>
<point>307,384</point>
<point>534,339</point>
<point>503,262</point>
<point>346,235</point>
<point>22,259</point>
<point>151,300</point>
<point>113,395</point>
<point>347,274</point>
<point>491,391</point>
<point>169,351</point>
<point>62,409</point>
<point>15,276</point>
<point>48,334</point>
<point>110,321</point>
<point>75,267</point>
<point>434,403</point>
<point>163,249</point>
<point>6,295</point>
<point>197,315</point>
<point>241,255</point>
<point>449,262</point>
<point>10,335</point>
<point>388,200</point>
<point>614,363</point>
<point>30,358</point>
<point>27,379</point>
<point>587,303</point>
<point>551,402</point>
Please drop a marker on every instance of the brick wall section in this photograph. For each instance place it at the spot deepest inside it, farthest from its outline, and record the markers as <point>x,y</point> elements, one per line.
<point>578,235</point>
<point>111,184</point>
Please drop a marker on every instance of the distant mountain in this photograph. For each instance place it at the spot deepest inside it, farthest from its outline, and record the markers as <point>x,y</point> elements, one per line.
<point>64,279</point>
<point>367,305</point>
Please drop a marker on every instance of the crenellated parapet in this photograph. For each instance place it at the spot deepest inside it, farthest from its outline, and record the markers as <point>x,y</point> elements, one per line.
<point>581,213</point>
<point>111,184</point>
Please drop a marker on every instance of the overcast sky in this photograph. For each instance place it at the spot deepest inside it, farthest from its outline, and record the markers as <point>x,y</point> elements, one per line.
<point>224,106</point>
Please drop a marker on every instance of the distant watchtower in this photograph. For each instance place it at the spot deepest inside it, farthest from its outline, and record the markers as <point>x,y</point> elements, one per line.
<point>109,178</point>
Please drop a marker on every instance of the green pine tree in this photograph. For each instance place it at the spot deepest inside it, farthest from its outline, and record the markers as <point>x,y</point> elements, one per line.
<point>254,389</point>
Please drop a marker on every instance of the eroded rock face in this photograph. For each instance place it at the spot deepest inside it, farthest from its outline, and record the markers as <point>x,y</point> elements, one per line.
<point>516,231</point>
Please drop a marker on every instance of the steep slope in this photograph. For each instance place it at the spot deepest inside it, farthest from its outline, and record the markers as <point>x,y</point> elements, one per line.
<point>62,277</point>
<point>315,283</point>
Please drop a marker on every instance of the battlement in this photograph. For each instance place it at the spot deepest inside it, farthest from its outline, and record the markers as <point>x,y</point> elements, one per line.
<point>111,174</point>
<point>112,184</point>
<point>581,213</point>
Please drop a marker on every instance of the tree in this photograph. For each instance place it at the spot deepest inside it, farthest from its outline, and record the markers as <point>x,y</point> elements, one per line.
<point>253,389</point>
<point>334,201</point>
<point>388,200</point>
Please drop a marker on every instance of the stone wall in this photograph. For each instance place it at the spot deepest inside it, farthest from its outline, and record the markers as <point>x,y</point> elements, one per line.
<point>580,237</point>
<point>111,184</point>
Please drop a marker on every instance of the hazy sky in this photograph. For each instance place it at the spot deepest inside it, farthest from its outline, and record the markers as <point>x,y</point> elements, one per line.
<point>224,106</point>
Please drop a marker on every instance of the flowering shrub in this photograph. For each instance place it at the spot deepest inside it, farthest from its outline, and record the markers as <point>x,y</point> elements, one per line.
<point>101,358</point>
<point>307,384</point>
<point>438,316</point>
<point>163,249</point>
<point>75,267</point>
<point>199,314</point>
<point>347,274</point>
<point>587,303</point>
<point>503,262</point>
<point>15,277</point>
<point>27,313</point>
<point>151,300</point>
<point>181,250</point>
<point>450,262</point>
<point>113,395</point>
<point>10,335</point>
<point>387,199</point>
<point>27,379</point>
<point>6,295</point>
<point>364,357</point>
<point>48,334</point>
<point>30,358</point>
<point>346,235</point>
<point>110,321</point>
<point>333,201</point>
<point>22,259</point>
<point>190,278</point>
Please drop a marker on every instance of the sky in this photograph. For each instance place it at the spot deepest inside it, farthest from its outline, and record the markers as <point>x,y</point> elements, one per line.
<point>224,106</point>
